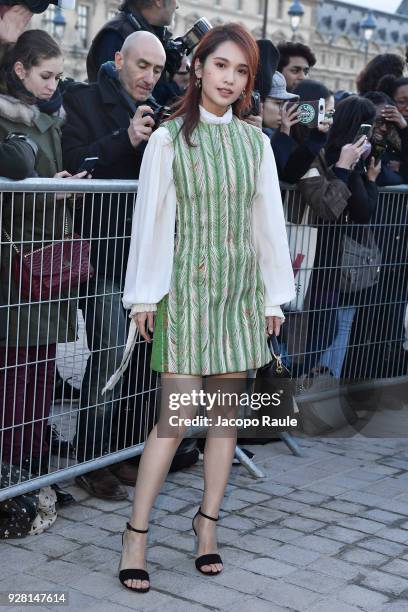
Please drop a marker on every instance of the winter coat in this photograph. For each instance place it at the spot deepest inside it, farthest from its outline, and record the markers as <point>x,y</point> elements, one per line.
<point>32,221</point>
<point>97,126</point>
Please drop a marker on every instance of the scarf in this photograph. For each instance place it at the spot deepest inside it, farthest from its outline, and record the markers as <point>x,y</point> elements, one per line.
<point>17,89</point>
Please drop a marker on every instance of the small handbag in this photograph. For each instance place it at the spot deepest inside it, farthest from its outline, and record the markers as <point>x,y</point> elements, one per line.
<point>48,271</point>
<point>360,263</point>
<point>275,377</point>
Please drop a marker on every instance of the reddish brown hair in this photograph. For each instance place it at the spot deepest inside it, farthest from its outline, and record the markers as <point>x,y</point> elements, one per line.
<point>188,106</point>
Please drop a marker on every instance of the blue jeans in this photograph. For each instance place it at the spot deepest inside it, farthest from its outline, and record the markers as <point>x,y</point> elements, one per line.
<point>106,329</point>
<point>333,357</point>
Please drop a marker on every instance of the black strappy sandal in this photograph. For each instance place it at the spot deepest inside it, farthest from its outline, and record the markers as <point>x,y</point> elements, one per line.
<point>133,574</point>
<point>206,559</point>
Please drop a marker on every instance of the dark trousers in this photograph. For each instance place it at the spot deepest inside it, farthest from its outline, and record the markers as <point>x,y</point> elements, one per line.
<point>106,330</point>
<point>26,390</point>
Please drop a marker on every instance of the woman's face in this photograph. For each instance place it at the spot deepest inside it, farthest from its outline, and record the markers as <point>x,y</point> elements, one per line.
<point>381,126</point>
<point>224,77</point>
<point>41,80</point>
<point>272,113</point>
<point>401,100</point>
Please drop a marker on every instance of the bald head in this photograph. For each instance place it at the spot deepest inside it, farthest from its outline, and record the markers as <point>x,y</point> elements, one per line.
<point>140,63</point>
<point>142,40</point>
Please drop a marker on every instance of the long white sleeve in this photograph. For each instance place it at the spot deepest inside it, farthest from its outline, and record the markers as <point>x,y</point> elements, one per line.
<point>151,251</point>
<point>270,238</point>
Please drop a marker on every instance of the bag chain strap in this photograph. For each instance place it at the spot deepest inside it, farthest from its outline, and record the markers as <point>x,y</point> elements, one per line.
<point>7,235</point>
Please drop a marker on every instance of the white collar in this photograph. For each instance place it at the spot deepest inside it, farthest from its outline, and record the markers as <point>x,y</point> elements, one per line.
<point>208,117</point>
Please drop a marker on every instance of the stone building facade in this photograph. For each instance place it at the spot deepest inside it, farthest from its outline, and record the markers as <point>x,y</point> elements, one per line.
<point>330,27</point>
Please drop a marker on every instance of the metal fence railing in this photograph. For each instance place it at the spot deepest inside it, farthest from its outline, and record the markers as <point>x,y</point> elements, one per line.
<point>63,252</point>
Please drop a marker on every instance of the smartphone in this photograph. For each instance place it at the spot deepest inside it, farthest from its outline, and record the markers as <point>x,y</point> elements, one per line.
<point>363,130</point>
<point>255,105</point>
<point>311,114</point>
<point>88,164</point>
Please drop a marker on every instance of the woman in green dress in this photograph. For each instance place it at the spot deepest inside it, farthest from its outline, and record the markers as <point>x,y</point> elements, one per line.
<point>209,265</point>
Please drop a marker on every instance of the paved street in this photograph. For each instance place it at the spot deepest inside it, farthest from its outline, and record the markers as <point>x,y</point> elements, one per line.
<point>327,532</point>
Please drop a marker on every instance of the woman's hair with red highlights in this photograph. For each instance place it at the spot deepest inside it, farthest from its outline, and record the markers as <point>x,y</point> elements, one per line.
<point>188,106</point>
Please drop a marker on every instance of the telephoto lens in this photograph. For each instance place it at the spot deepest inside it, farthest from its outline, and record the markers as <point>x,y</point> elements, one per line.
<point>195,34</point>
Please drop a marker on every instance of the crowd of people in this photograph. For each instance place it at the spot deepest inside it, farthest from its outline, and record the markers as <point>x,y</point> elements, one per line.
<point>50,127</point>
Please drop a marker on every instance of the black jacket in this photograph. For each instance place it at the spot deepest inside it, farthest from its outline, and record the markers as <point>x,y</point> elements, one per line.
<point>112,35</point>
<point>96,126</point>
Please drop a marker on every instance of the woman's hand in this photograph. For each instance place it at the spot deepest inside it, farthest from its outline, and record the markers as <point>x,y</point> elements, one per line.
<point>350,154</point>
<point>140,319</point>
<point>65,174</point>
<point>289,117</point>
<point>255,120</point>
<point>273,325</point>
<point>373,170</point>
<point>391,113</point>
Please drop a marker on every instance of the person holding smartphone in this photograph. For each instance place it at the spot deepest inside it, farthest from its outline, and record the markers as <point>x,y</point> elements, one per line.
<point>31,112</point>
<point>389,139</point>
<point>342,196</point>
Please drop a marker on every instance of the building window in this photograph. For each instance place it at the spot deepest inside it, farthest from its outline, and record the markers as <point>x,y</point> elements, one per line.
<point>279,9</point>
<point>352,62</point>
<point>48,20</point>
<point>217,2</point>
<point>323,58</point>
<point>239,4</point>
<point>83,23</point>
<point>338,59</point>
<point>261,7</point>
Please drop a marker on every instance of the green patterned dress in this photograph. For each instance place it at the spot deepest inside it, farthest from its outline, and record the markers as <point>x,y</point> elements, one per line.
<point>212,321</point>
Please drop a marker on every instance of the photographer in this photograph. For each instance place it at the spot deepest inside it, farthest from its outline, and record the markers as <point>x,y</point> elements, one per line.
<point>107,120</point>
<point>134,15</point>
<point>390,137</point>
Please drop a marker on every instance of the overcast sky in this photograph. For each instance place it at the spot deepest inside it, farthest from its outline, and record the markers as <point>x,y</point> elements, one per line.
<point>377,4</point>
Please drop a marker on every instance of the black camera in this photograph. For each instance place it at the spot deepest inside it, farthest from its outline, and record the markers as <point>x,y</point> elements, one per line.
<point>184,45</point>
<point>160,113</point>
<point>39,6</point>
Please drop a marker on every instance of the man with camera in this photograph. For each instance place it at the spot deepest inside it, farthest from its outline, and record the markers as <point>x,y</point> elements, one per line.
<point>107,127</point>
<point>134,15</point>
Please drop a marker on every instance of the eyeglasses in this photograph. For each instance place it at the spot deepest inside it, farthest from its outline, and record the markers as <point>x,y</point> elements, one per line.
<point>299,69</point>
<point>329,114</point>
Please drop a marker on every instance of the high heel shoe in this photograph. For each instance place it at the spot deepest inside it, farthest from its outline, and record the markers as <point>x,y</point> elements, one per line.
<point>206,559</point>
<point>133,574</point>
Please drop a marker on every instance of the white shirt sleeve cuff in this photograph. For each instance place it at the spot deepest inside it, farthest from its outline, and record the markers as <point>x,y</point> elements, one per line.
<point>274,311</point>
<point>142,308</point>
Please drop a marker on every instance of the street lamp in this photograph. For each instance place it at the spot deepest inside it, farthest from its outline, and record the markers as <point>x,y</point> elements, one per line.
<point>265,18</point>
<point>295,12</point>
<point>368,25</point>
<point>59,23</point>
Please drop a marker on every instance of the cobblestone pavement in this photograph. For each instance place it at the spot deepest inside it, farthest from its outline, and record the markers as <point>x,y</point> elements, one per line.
<point>326,532</point>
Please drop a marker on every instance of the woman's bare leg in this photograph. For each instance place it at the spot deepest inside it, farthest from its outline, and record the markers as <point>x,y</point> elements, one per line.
<point>218,455</point>
<point>153,468</point>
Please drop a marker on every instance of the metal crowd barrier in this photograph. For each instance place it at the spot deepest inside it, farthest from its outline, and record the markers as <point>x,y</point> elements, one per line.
<point>58,378</point>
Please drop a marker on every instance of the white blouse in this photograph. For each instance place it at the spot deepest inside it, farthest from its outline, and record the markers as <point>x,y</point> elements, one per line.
<point>151,252</point>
